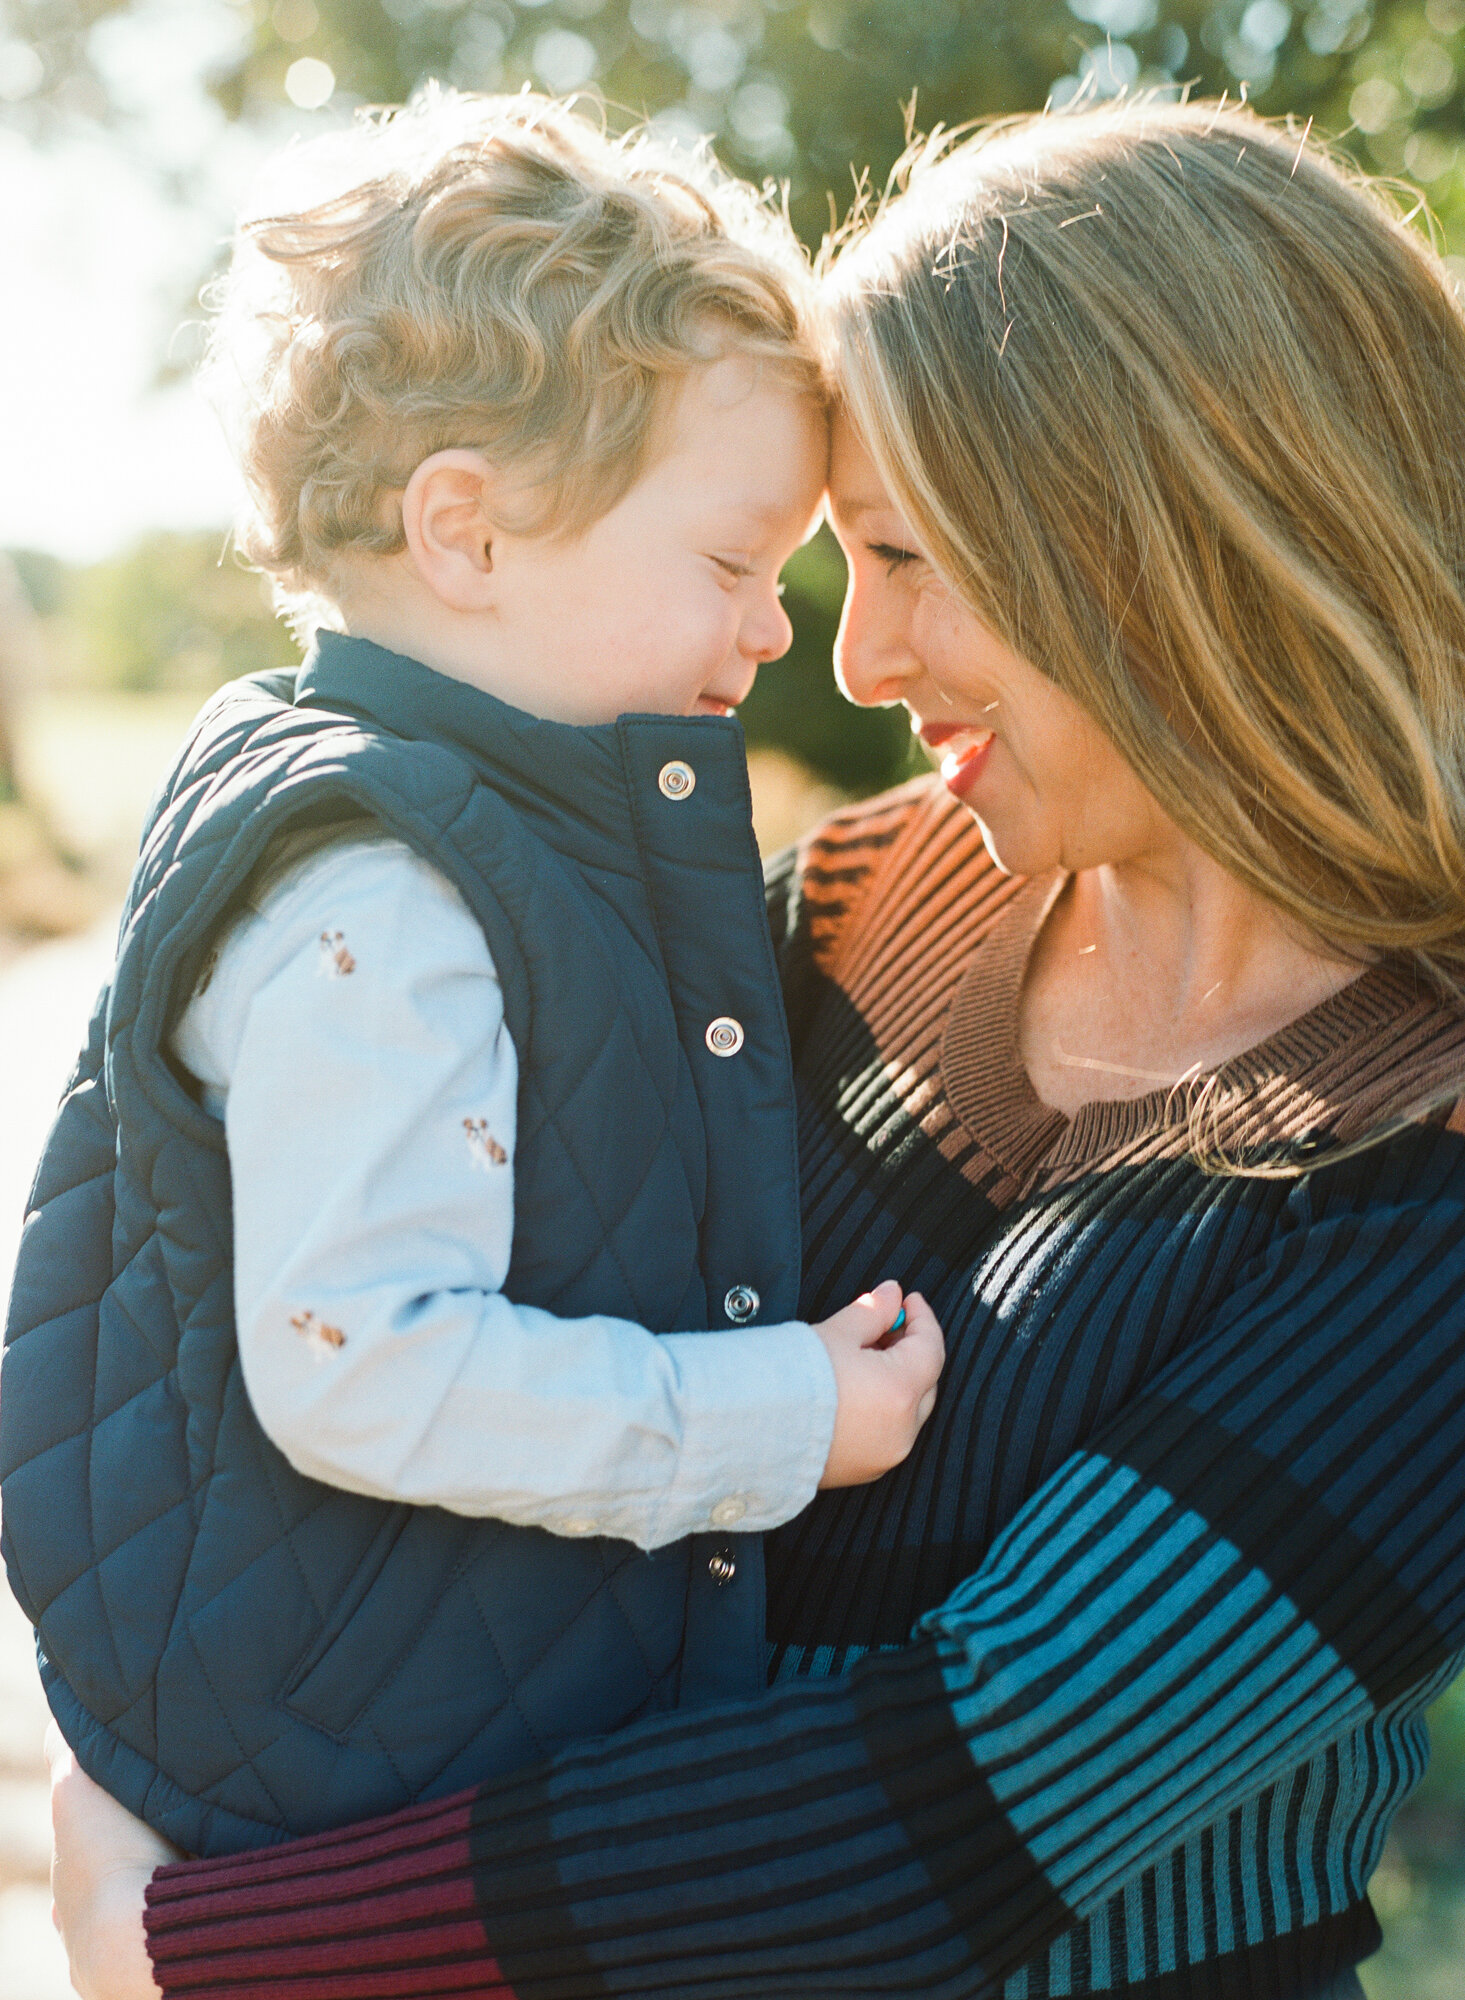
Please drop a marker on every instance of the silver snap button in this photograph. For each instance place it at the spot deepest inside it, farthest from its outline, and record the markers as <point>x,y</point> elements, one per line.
<point>727,1513</point>
<point>677,780</point>
<point>722,1567</point>
<point>741,1303</point>
<point>725,1036</point>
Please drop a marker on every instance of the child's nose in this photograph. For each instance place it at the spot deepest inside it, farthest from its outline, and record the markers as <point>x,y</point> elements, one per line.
<point>768,634</point>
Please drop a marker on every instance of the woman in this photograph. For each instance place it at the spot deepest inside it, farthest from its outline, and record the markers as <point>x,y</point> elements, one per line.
<point>1135,1046</point>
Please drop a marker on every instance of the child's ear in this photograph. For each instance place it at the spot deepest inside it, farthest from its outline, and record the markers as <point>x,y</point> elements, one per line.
<point>448,521</point>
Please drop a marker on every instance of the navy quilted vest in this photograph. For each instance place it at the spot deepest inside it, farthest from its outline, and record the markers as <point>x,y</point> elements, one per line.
<point>237,1652</point>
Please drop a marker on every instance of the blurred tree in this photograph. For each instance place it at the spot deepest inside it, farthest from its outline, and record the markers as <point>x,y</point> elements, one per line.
<point>795,705</point>
<point>45,577</point>
<point>800,89</point>
<point>174,613</point>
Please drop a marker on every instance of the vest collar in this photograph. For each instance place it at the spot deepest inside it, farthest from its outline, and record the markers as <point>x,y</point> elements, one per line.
<point>576,769</point>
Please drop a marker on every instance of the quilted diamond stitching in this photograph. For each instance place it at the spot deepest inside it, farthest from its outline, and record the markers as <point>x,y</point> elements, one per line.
<point>565,1632</point>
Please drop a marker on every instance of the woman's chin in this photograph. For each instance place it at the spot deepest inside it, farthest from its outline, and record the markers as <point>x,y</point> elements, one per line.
<point>1017,850</point>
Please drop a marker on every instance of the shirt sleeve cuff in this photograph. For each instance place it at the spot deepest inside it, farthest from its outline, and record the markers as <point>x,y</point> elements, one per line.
<point>756,1408</point>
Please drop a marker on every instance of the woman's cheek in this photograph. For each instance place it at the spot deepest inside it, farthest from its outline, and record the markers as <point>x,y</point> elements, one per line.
<point>946,643</point>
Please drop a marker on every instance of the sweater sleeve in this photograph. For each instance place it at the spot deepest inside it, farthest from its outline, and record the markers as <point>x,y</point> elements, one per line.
<point>1262,1552</point>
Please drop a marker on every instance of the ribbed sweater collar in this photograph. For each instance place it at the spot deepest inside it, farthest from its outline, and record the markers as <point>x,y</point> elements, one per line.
<point>1369,1052</point>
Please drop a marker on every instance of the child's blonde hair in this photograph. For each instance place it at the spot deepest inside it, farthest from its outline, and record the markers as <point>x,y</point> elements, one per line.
<point>494,273</point>
<point>1179,407</point>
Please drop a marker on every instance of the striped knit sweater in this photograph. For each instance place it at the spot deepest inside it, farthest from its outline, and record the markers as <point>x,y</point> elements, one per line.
<point>1115,1685</point>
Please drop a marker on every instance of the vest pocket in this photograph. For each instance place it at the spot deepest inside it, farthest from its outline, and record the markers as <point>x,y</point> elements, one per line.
<point>358,1647</point>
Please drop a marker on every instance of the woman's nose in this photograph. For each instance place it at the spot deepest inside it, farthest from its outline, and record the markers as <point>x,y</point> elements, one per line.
<point>872,658</point>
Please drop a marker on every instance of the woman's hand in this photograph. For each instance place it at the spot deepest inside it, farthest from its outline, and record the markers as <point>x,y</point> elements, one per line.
<point>100,1868</point>
<point>886,1376</point>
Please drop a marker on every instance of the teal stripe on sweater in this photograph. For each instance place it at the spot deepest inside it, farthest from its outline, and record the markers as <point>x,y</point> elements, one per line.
<point>1230,1687</point>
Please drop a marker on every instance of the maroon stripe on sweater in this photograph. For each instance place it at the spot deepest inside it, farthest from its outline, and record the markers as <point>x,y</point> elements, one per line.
<point>383,1911</point>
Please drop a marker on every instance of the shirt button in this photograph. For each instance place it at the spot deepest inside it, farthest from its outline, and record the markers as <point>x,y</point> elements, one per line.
<point>727,1513</point>
<point>725,1035</point>
<point>676,780</point>
<point>722,1567</point>
<point>741,1303</point>
<point>577,1526</point>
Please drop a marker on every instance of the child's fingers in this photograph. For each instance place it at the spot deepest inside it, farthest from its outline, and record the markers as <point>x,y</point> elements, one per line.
<point>921,1348</point>
<point>873,1313</point>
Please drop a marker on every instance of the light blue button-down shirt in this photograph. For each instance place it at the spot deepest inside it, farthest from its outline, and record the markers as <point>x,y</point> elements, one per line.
<point>351,1037</point>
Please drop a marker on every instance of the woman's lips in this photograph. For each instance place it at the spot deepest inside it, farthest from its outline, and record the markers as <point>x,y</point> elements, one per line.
<point>964,752</point>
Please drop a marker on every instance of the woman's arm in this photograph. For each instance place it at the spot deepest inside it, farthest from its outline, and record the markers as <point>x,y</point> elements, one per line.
<point>1264,1551</point>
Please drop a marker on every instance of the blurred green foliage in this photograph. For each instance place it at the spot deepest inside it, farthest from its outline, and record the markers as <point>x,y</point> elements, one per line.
<point>803,89</point>
<point>795,704</point>
<point>175,613</point>
<point>1419,1890</point>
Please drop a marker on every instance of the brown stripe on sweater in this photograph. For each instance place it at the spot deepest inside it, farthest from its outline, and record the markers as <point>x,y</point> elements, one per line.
<point>930,896</point>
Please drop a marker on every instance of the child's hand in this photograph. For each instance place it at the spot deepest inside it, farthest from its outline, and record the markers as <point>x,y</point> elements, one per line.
<point>886,1377</point>
<point>100,1869</point>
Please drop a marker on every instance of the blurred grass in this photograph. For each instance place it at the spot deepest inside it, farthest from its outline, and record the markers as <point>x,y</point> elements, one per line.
<point>92,759</point>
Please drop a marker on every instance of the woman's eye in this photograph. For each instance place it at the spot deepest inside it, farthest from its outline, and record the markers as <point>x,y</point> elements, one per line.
<point>892,557</point>
<point>732,568</point>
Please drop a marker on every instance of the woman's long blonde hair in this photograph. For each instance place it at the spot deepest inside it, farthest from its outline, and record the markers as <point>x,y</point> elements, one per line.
<point>1178,405</point>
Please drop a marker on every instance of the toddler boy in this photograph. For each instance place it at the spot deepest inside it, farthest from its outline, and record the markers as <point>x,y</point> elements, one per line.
<point>402,1358</point>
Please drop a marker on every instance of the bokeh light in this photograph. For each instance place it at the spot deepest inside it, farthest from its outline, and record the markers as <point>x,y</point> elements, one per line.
<point>310,83</point>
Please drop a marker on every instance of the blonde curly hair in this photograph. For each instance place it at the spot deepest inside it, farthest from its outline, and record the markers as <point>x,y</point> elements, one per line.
<point>496,273</point>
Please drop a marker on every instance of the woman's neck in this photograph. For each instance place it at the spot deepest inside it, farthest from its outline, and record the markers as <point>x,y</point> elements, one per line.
<point>1147,972</point>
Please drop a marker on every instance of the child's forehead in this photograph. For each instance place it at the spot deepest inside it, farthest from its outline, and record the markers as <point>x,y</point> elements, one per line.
<point>737,410</point>
<point>752,461</point>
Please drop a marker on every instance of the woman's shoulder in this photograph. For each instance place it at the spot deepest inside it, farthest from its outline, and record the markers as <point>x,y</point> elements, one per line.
<point>888,855</point>
<point>867,828</point>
